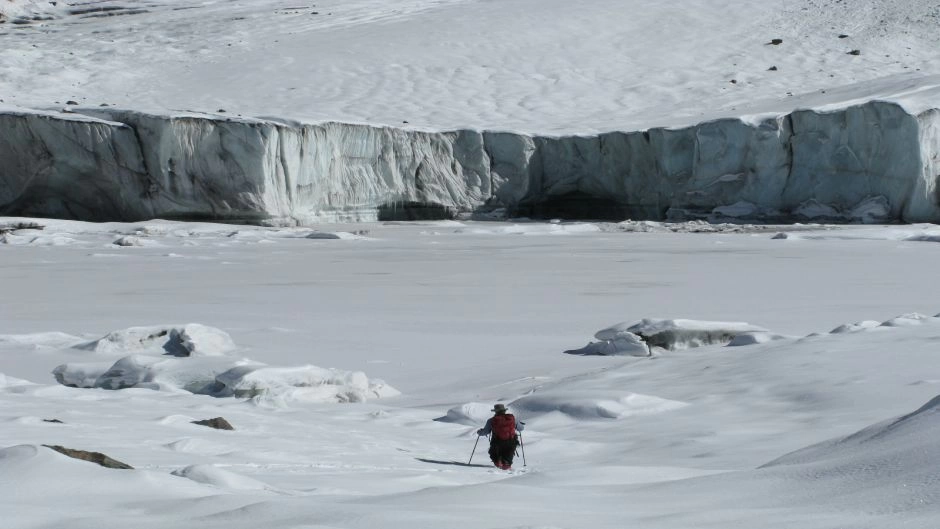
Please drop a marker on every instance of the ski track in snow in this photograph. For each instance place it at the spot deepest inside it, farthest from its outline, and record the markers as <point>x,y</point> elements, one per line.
<point>458,315</point>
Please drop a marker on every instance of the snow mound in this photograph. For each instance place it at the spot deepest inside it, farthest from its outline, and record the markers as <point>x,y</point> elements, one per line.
<point>855,327</point>
<point>691,226</point>
<point>161,373</point>
<point>190,339</point>
<point>755,337</point>
<point>32,471</point>
<point>306,383</point>
<point>583,405</point>
<point>131,240</point>
<point>614,342</point>
<point>8,381</point>
<point>686,334</point>
<point>218,376</point>
<point>35,240</point>
<point>901,450</point>
<point>534,228</point>
<point>24,8</point>
<point>80,375</point>
<point>193,445</point>
<point>217,477</point>
<point>469,414</point>
<point>52,340</point>
<point>907,320</point>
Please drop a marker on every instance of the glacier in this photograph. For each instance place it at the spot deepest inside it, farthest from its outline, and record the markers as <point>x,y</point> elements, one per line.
<point>874,161</point>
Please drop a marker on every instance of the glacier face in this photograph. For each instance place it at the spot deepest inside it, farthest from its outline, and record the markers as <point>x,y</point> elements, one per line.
<point>868,162</point>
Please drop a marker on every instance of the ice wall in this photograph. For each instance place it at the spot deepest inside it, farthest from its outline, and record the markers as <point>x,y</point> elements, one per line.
<point>871,162</point>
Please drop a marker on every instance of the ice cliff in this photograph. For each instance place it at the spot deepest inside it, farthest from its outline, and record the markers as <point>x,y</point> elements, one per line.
<point>873,161</point>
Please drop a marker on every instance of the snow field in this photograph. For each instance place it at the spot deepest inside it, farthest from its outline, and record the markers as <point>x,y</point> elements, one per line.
<point>458,318</point>
<point>535,65</point>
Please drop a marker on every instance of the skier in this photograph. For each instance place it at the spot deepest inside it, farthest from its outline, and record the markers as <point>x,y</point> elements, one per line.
<point>503,442</point>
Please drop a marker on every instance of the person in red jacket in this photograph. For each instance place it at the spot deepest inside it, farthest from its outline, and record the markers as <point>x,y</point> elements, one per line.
<point>503,442</point>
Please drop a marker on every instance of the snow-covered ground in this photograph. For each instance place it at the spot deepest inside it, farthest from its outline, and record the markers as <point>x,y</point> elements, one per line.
<point>456,316</point>
<point>543,66</point>
<point>671,375</point>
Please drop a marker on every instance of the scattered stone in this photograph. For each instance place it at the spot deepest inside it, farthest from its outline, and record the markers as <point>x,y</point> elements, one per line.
<point>772,69</point>
<point>104,105</point>
<point>71,102</point>
<point>780,236</point>
<point>218,423</point>
<point>91,457</point>
<point>843,36</point>
<point>776,42</point>
<point>734,81</point>
<point>221,111</point>
<point>57,421</point>
<point>854,52</point>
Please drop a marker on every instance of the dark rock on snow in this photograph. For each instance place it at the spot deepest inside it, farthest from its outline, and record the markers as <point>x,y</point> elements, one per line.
<point>218,423</point>
<point>92,457</point>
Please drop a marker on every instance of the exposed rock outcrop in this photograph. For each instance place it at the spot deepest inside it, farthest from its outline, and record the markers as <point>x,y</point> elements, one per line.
<point>92,457</point>
<point>219,423</point>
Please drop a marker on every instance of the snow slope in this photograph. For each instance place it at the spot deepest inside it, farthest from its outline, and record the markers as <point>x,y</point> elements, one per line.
<point>367,110</point>
<point>458,316</point>
<point>542,66</point>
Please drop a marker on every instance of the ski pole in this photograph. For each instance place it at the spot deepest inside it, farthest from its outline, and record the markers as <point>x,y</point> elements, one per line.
<point>474,450</point>
<point>522,445</point>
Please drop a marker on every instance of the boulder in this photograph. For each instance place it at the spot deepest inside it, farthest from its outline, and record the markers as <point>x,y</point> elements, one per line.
<point>219,423</point>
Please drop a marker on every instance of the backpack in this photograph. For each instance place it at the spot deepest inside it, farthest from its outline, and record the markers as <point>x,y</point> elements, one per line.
<point>504,427</point>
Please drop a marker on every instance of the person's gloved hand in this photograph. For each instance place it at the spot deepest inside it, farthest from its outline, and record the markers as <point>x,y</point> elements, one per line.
<point>480,431</point>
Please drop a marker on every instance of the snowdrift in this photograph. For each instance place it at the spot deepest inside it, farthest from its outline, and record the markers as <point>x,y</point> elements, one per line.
<point>221,478</point>
<point>195,358</point>
<point>599,404</point>
<point>869,162</point>
<point>891,464</point>
<point>32,471</point>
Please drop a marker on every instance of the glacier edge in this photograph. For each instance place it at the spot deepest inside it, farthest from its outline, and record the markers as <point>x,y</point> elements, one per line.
<point>122,165</point>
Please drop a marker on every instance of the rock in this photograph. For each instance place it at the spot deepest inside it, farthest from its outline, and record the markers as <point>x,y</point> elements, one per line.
<point>776,42</point>
<point>780,236</point>
<point>843,36</point>
<point>70,102</point>
<point>219,423</point>
<point>92,457</point>
<point>57,421</point>
<point>772,69</point>
<point>854,52</point>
